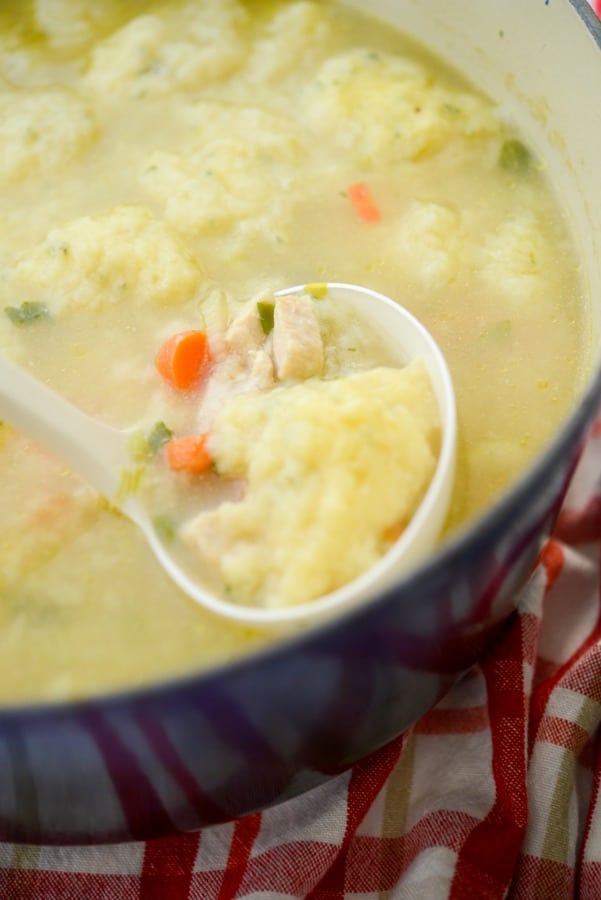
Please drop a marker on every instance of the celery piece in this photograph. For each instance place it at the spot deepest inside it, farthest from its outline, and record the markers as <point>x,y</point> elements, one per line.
<point>515,156</point>
<point>317,289</point>
<point>266,312</point>
<point>215,311</point>
<point>138,447</point>
<point>129,484</point>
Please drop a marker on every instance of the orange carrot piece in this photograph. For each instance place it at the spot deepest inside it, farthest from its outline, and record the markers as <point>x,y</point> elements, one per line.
<point>393,532</point>
<point>182,359</point>
<point>362,200</point>
<point>189,454</point>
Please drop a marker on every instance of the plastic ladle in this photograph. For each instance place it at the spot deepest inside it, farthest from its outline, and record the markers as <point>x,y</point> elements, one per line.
<point>100,454</point>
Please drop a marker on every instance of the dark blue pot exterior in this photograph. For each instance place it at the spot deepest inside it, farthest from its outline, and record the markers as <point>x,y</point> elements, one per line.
<point>218,745</point>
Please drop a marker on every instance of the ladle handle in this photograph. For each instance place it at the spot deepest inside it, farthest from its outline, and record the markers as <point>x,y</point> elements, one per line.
<point>94,450</point>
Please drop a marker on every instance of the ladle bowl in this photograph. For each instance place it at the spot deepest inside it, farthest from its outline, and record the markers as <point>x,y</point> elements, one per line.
<point>101,454</point>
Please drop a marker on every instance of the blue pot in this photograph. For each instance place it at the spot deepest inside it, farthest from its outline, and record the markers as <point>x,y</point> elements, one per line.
<point>214,746</point>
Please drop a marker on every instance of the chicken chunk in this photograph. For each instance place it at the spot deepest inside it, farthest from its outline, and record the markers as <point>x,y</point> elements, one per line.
<point>245,364</point>
<point>247,357</point>
<point>297,345</point>
<point>245,334</point>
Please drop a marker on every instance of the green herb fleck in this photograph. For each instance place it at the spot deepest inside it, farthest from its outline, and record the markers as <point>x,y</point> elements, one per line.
<point>515,156</point>
<point>164,528</point>
<point>266,312</point>
<point>58,249</point>
<point>451,109</point>
<point>159,435</point>
<point>27,313</point>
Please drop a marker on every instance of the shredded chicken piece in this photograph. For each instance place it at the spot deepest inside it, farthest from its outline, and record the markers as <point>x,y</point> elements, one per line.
<point>297,345</point>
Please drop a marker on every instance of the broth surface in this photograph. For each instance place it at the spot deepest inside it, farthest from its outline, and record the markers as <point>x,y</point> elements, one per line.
<point>159,160</point>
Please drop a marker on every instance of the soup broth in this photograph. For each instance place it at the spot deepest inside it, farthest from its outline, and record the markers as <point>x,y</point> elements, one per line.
<point>162,163</point>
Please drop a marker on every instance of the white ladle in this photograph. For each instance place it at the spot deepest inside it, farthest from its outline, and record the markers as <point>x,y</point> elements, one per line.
<point>101,454</point>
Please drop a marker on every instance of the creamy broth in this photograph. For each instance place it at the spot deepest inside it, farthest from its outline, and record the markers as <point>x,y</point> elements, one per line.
<point>155,158</point>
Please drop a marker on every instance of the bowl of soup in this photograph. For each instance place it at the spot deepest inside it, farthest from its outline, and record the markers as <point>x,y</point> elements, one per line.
<point>166,168</point>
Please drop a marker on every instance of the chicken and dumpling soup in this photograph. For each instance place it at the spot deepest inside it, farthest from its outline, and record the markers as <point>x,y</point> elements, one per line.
<point>165,169</point>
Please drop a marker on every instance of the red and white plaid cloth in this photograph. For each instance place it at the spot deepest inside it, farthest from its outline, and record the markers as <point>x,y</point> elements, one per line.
<point>495,793</point>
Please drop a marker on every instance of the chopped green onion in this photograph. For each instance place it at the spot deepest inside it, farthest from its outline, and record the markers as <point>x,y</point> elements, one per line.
<point>159,436</point>
<point>142,448</point>
<point>266,312</point>
<point>27,313</point>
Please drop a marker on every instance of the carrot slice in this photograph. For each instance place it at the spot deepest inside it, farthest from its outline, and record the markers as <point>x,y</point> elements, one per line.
<point>189,454</point>
<point>393,532</point>
<point>362,200</point>
<point>182,359</point>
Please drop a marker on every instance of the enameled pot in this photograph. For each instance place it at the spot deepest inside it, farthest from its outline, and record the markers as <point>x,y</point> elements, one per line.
<point>215,746</point>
